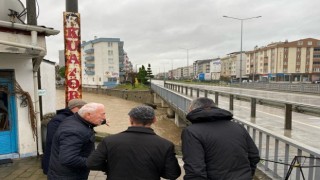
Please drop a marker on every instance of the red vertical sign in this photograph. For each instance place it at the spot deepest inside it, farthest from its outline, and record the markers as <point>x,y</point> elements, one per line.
<point>72,49</point>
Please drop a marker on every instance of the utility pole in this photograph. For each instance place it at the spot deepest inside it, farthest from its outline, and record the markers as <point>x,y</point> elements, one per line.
<point>72,6</point>
<point>31,12</point>
<point>72,45</point>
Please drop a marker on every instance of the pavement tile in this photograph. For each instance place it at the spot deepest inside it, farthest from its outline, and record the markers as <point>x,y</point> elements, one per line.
<point>10,177</point>
<point>26,174</point>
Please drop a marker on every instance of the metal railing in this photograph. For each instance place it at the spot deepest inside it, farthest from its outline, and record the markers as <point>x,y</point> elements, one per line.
<point>287,87</point>
<point>281,157</point>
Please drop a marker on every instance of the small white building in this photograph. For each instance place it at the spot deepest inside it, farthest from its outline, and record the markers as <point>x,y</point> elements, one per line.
<point>22,48</point>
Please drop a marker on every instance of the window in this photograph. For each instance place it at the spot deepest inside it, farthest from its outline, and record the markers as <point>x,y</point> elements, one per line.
<point>300,43</point>
<point>110,60</point>
<point>111,68</point>
<point>309,43</point>
<point>110,52</point>
<point>109,44</point>
<point>316,49</point>
<point>298,63</point>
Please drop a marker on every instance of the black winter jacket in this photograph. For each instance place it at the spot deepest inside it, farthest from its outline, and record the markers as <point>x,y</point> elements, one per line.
<point>52,127</point>
<point>214,147</point>
<point>135,154</point>
<point>71,146</point>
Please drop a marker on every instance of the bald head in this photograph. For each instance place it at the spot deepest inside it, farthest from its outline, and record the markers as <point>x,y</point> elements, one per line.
<point>93,113</point>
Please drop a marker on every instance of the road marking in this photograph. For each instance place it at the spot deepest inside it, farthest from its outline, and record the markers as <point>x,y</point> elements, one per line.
<point>281,117</point>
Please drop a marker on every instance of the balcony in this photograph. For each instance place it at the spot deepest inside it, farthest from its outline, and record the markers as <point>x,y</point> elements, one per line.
<point>89,58</point>
<point>90,73</point>
<point>89,51</point>
<point>89,65</point>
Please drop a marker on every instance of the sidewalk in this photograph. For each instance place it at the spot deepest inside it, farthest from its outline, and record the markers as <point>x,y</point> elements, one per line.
<point>30,169</point>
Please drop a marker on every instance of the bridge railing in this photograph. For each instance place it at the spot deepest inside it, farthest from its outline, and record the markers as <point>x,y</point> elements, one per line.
<point>281,157</point>
<point>289,106</point>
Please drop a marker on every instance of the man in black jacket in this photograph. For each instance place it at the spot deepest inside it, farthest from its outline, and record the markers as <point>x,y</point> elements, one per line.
<point>73,142</point>
<point>137,153</point>
<point>73,106</point>
<point>214,147</point>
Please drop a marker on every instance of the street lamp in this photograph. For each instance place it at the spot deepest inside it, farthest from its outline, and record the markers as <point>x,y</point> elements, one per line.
<point>241,19</point>
<point>187,49</point>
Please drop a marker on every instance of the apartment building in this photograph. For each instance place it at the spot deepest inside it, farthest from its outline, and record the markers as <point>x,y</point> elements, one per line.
<point>202,66</point>
<point>296,61</point>
<point>215,69</point>
<point>230,66</point>
<point>103,62</point>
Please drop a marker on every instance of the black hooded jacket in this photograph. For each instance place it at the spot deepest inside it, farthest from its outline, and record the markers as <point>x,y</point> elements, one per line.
<point>52,127</point>
<point>71,145</point>
<point>214,147</point>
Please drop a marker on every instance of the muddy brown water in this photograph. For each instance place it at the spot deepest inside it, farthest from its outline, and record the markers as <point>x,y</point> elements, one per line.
<point>117,114</point>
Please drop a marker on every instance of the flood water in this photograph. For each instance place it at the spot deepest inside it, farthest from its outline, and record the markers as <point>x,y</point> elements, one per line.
<point>117,114</point>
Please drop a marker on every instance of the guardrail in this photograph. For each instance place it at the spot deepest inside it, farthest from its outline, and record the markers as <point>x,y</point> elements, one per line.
<point>282,158</point>
<point>288,105</point>
<point>288,87</point>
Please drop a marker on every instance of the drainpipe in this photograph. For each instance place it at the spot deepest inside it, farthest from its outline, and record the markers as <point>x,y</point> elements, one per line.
<point>34,38</point>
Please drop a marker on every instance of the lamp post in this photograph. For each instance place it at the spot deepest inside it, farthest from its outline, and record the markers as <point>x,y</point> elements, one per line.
<point>241,20</point>
<point>187,49</point>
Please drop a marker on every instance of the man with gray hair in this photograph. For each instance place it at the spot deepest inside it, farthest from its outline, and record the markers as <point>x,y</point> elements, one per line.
<point>214,147</point>
<point>73,142</point>
<point>137,153</point>
<point>73,106</point>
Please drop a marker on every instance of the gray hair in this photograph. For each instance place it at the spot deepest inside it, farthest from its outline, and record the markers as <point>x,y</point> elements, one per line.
<point>142,114</point>
<point>89,108</point>
<point>202,102</point>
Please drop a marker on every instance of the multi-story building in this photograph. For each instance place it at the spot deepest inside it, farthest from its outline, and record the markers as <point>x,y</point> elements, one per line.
<point>230,66</point>
<point>215,69</point>
<point>201,66</point>
<point>187,72</point>
<point>102,62</point>
<point>286,61</point>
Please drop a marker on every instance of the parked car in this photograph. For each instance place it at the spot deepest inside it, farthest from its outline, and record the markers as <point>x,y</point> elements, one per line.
<point>316,82</point>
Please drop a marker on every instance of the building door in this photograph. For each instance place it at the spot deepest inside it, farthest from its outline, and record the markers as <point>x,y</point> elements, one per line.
<point>8,124</point>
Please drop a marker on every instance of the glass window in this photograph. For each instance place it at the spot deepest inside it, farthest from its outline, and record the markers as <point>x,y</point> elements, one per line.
<point>110,52</point>
<point>309,43</point>
<point>109,44</point>
<point>110,60</point>
<point>4,117</point>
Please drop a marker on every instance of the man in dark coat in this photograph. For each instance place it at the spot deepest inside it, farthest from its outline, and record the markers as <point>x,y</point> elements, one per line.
<point>137,153</point>
<point>73,142</point>
<point>73,106</point>
<point>214,147</point>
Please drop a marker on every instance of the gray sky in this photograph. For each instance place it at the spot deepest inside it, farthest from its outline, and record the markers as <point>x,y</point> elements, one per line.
<point>154,31</point>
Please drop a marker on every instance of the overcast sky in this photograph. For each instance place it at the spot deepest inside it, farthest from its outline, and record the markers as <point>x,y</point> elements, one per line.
<point>155,31</point>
